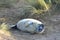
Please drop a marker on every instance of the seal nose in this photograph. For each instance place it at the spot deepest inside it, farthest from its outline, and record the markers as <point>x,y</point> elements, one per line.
<point>40,27</point>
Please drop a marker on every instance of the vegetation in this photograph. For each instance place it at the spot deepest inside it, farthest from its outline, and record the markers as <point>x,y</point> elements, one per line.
<point>43,5</point>
<point>38,5</point>
<point>3,26</point>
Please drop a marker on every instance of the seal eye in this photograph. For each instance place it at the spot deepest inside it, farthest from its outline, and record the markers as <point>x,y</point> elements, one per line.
<point>40,27</point>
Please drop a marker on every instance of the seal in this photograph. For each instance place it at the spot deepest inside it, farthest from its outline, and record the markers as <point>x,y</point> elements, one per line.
<point>30,25</point>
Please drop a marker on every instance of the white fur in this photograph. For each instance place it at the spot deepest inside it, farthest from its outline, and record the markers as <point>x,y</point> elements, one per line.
<point>24,25</point>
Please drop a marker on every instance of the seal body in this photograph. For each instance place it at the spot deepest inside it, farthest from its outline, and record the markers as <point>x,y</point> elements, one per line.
<point>30,25</point>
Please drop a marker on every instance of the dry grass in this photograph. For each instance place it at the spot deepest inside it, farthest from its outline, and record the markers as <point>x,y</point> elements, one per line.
<point>5,34</point>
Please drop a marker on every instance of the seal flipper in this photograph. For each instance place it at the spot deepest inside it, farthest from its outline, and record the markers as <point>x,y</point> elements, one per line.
<point>14,27</point>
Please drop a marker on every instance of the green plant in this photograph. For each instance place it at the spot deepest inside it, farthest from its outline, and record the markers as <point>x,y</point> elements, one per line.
<point>39,4</point>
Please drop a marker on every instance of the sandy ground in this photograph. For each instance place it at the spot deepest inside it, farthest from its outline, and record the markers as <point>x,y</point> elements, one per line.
<point>11,16</point>
<point>52,32</point>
